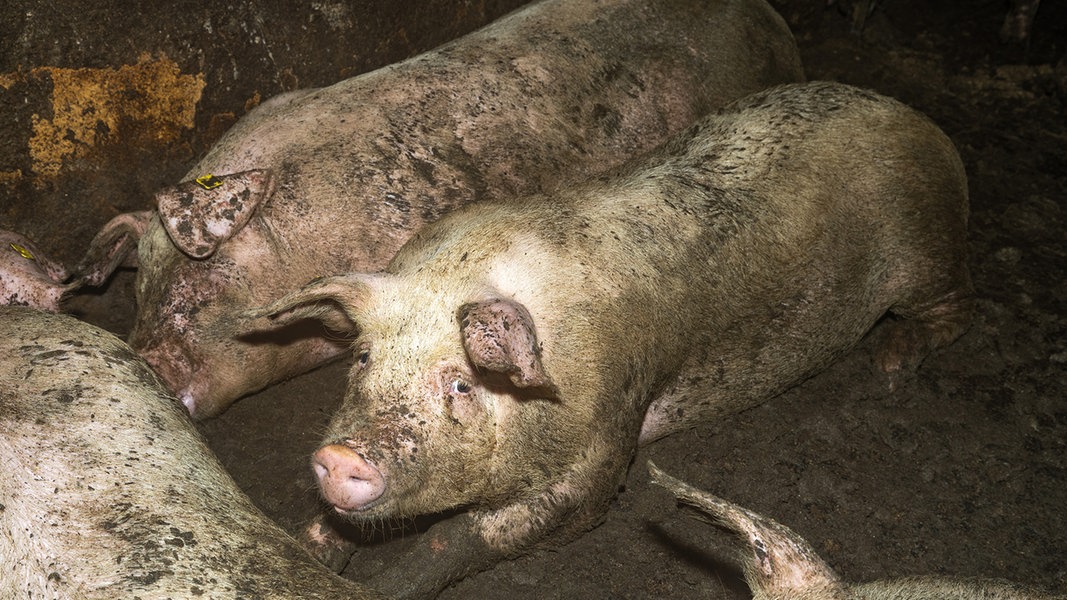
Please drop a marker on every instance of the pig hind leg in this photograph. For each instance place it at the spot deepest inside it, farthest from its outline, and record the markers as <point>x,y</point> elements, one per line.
<point>936,308</point>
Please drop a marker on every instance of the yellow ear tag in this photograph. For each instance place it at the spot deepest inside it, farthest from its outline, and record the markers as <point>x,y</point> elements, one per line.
<point>209,181</point>
<point>24,252</point>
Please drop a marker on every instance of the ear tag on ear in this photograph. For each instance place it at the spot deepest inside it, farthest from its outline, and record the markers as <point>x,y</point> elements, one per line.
<point>209,181</point>
<point>22,251</point>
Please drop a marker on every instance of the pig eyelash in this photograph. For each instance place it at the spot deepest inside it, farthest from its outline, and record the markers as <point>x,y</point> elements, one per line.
<point>458,386</point>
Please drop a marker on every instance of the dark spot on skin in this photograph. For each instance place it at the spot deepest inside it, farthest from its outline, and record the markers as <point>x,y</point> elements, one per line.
<point>181,539</point>
<point>150,577</point>
<point>424,169</point>
<point>761,550</point>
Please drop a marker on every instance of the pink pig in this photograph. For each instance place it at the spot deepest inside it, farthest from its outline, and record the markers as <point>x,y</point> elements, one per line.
<point>336,179</point>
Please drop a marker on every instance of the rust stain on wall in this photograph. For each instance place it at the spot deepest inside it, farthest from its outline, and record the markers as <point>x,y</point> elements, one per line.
<point>149,103</point>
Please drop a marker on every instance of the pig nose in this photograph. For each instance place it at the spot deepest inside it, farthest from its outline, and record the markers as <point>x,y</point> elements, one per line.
<point>347,480</point>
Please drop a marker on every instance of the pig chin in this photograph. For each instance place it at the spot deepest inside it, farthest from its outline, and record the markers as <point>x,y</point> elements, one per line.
<point>176,369</point>
<point>173,368</point>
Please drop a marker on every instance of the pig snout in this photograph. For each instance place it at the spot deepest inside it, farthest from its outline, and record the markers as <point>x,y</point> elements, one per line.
<point>347,480</point>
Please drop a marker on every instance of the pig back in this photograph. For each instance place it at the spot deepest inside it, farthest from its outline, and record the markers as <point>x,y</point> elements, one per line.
<point>108,490</point>
<point>547,95</point>
<point>551,93</point>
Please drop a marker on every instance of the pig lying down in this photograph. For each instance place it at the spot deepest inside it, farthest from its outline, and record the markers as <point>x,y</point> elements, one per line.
<point>336,179</point>
<point>513,355</point>
<point>779,564</point>
<point>108,491</point>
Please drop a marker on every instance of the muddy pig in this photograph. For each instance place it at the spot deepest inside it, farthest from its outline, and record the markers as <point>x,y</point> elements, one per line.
<point>778,564</point>
<point>336,179</point>
<point>513,355</point>
<point>108,491</point>
<point>28,277</point>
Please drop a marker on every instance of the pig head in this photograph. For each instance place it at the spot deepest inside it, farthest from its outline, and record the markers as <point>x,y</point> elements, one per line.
<point>425,424</point>
<point>335,180</point>
<point>186,287</point>
<point>28,277</point>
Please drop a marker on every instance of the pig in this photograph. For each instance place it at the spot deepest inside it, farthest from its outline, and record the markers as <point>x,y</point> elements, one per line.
<point>335,179</point>
<point>515,354</point>
<point>28,277</point>
<point>108,490</point>
<point>779,564</point>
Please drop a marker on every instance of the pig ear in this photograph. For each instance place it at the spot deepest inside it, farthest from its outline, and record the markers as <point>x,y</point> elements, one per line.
<point>778,562</point>
<point>201,214</point>
<point>499,336</point>
<point>333,300</point>
<point>115,245</point>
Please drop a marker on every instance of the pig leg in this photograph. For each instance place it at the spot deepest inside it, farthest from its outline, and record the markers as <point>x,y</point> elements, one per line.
<point>447,552</point>
<point>929,285</point>
<point>1019,21</point>
<point>935,306</point>
<point>327,545</point>
<point>923,329</point>
<point>474,541</point>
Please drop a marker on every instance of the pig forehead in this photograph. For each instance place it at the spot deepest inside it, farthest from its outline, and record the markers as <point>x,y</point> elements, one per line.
<point>413,322</point>
<point>412,319</point>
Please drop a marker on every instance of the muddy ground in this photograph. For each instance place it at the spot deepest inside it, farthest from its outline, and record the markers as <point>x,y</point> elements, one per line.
<point>960,470</point>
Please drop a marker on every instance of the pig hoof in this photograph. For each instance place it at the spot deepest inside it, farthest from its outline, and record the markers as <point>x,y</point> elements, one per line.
<point>904,345</point>
<point>327,545</point>
<point>906,342</point>
<point>347,480</point>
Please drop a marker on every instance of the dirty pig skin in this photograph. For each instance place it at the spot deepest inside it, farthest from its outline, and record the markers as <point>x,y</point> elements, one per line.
<point>108,491</point>
<point>28,277</point>
<point>514,355</point>
<point>333,180</point>
<point>778,564</point>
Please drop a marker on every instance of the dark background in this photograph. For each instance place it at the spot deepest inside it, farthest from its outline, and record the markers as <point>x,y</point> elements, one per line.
<point>961,470</point>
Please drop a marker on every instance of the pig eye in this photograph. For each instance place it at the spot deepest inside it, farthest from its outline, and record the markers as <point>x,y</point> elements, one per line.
<point>460,387</point>
<point>363,358</point>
